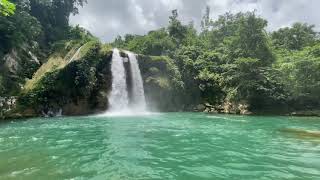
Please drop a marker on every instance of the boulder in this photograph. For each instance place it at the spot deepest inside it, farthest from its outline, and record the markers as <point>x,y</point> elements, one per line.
<point>208,105</point>
<point>200,107</point>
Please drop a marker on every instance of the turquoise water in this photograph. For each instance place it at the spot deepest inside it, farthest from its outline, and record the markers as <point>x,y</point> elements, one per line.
<point>161,146</point>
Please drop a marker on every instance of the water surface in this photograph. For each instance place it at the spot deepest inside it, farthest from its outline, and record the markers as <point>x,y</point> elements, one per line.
<point>161,146</point>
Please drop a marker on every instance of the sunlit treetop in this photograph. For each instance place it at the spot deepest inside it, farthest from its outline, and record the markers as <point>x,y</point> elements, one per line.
<point>6,8</point>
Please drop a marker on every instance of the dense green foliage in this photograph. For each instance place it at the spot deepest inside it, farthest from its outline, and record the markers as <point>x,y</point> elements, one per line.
<point>162,82</point>
<point>38,22</point>
<point>6,8</point>
<point>74,81</point>
<point>30,34</point>
<point>233,59</point>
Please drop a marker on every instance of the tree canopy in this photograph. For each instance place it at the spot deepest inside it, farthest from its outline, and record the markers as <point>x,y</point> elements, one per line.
<point>29,30</point>
<point>231,59</point>
<point>235,59</point>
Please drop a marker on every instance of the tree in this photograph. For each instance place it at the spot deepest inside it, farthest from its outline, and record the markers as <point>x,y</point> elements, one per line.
<point>7,8</point>
<point>18,28</point>
<point>176,30</point>
<point>301,76</point>
<point>54,17</point>
<point>118,42</point>
<point>30,33</point>
<point>296,37</point>
<point>259,86</point>
<point>244,36</point>
<point>206,22</point>
<point>234,59</point>
<point>156,43</point>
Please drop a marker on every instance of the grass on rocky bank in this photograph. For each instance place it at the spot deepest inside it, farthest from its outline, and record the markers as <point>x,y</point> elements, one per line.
<point>60,59</point>
<point>70,74</point>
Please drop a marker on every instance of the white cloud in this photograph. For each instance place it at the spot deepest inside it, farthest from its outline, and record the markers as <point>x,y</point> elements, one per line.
<point>107,19</point>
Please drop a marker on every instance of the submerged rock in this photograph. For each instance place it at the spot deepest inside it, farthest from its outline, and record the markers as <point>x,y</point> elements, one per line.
<point>301,132</point>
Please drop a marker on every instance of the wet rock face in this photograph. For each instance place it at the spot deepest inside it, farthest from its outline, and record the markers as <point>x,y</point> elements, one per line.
<point>82,107</point>
<point>21,62</point>
<point>96,100</point>
<point>162,82</point>
<point>128,73</point>
<point>16,66</point>
<point>11,61</point>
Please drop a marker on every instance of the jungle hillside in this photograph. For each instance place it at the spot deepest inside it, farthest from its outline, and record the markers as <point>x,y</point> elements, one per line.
<point>231,64</point>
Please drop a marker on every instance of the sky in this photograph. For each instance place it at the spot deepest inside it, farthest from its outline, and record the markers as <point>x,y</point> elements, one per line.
<point>107,19</point>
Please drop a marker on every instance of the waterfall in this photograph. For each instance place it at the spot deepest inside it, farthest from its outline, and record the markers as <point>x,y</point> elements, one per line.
<point>118,99</point>
<point>75,55</point>
<point>119,103</point>
<point>138,98</point>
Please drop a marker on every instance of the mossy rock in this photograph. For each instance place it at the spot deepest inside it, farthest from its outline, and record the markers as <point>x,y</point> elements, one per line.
<point>162,82</point>
<point>73,86</point>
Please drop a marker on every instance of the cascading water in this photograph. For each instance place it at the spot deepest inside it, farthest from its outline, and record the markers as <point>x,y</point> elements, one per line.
<point>118,99</point>
<point>119,96</point>
<point>138,98</point>
<point>75,55</point>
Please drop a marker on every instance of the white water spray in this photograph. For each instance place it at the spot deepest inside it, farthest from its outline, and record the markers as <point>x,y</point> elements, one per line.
<point>118,99</point>
<point>138,98</point>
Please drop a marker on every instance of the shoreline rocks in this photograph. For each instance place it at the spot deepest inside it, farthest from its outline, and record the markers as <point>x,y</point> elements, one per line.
<point>225,108</point>
<point>6,105</point>
<point>242,108</point>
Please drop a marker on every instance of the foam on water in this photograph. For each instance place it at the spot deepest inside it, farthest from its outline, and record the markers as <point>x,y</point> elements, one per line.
<point>128,113</point>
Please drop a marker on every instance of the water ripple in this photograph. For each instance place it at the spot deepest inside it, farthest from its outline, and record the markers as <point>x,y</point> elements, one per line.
<point>166,146</point>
